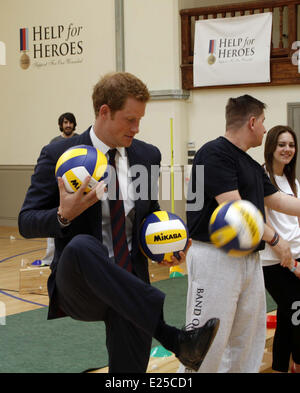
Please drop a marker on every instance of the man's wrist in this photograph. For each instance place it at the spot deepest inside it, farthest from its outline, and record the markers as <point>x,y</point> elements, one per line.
<point>64,222</point>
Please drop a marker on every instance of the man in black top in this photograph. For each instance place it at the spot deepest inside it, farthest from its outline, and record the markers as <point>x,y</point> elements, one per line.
<point>232,288</point>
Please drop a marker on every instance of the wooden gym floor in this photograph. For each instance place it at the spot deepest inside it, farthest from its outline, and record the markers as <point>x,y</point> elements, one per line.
<point>17,252</point>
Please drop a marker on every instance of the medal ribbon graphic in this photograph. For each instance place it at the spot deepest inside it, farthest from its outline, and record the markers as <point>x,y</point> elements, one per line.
<point>24,39</point>
<point>212,46</point>
<point>24,46</point>
<point>211,58</point>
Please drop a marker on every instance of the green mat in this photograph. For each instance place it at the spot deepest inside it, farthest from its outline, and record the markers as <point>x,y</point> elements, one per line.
<point>29,343</point>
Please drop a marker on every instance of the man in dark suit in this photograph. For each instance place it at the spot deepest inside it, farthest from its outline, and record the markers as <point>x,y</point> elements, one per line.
<point>85,283</point>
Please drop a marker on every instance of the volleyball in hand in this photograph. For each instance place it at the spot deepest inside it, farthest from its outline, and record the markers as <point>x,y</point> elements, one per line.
<point>78,162</point>
<point>236,227</point>
<point>163,235</point>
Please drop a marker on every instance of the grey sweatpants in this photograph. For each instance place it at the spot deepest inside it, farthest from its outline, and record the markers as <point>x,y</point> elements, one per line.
<point>233,290</point>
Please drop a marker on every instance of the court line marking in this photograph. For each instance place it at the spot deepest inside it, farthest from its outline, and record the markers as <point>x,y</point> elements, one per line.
<point>20,238</point>
<point>23,253</point>
<point>16,297</point>
<point>23,300</point>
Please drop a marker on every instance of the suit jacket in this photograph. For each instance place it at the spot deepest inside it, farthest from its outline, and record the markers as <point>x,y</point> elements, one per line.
<point>38,215</point>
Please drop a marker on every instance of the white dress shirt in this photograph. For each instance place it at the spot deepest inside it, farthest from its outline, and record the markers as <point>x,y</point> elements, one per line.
<point>126,188</point>
<point>286,226</point>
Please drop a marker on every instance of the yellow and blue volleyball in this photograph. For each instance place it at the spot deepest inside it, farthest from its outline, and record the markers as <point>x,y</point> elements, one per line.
<point>236,227</point>
<point>78,162</point>
<point>163,235</point>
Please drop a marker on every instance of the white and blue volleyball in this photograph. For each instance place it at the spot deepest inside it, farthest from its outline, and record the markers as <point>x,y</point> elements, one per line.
<point>236,227</point>
<point>163,235</point>
<point>78,162</point>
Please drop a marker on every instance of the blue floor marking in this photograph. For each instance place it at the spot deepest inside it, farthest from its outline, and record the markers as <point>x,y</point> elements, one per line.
<point>16,297</point>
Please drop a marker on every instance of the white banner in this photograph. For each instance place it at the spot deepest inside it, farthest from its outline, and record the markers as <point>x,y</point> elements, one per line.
<point>232,51</point>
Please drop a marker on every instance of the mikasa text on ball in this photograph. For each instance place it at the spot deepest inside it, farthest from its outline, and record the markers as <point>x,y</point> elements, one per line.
<point>236,227</point>
<point>78,162</point>
<point>163,235</point>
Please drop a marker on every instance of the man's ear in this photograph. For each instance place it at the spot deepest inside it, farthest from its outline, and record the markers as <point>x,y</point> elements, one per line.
<point>104,110</point>
<point>251,122</point>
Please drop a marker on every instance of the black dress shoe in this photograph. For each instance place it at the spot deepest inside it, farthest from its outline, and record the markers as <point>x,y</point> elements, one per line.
<point>194,344</point>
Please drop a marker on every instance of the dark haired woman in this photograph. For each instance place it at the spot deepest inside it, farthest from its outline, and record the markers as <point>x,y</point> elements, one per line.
<point>283,284</point>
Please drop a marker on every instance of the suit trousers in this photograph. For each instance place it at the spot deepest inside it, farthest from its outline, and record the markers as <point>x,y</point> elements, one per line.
<point>284,287</point>
<point>90,287</point>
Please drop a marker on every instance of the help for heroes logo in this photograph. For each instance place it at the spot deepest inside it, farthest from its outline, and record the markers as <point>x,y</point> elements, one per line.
<point>231,49</point>
<point>51,45</point>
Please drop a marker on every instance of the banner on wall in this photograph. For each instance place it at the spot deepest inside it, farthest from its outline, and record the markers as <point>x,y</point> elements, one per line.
<point>233,50</point>
<point>42,46</point>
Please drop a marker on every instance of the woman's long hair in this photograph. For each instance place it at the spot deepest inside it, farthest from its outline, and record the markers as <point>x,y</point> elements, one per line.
<point>270,146</point>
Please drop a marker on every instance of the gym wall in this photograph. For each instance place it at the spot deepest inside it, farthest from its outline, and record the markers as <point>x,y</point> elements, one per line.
<point>71,44</point>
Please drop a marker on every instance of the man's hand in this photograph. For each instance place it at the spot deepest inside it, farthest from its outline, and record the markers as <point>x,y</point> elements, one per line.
<point>176,261</point>
<point>73,204</point>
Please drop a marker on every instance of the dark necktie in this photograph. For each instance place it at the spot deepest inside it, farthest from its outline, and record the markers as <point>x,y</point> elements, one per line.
<point>117,217</point>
